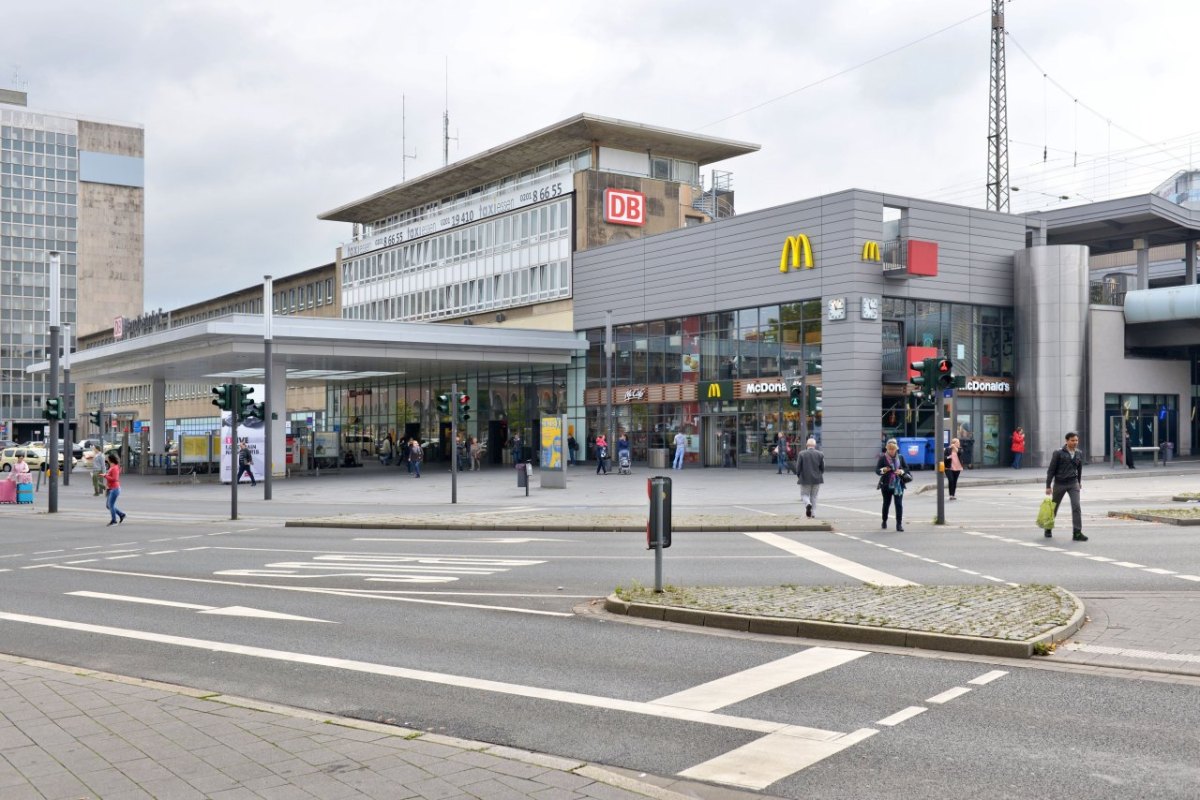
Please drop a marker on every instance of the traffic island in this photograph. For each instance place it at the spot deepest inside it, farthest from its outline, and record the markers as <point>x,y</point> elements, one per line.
<point>1169,516</point>
<point>1009,621</point>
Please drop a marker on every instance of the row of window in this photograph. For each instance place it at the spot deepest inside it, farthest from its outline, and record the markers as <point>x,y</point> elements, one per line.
<point>540,223</point>
<point>298,298</point>
<point>15,138</point>
<point>536,284</point>
<point>28,207</point>
<point>572,163</point>
<point>36,194</point>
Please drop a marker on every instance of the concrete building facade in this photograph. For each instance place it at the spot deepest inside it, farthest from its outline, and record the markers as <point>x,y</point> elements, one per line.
<point>75,186</point>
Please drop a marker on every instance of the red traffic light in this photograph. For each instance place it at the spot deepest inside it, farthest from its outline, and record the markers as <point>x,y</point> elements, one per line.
<point>463,399</point>
<point>944,366</point>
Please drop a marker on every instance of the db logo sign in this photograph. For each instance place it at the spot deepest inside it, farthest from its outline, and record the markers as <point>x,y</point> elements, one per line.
<point>623,207</point>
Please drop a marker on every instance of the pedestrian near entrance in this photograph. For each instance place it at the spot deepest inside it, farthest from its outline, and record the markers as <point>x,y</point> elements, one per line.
<point>1065,476</point>
<point>891,469</point>
<point>1131,442</point>
<point>245,464</point>
<point>782,454</point>
<point>572,450</point>
<point>680,449</point>
<point>810,474</point>
<point>1018,446</point>
<point>415,454</point>
<point>953,464</point>
<point>476,454</point>
<point>112,484</point>
<point>601,454</point>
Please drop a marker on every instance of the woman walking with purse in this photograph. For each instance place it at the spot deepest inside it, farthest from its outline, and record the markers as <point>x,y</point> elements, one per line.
<point>892,470</point>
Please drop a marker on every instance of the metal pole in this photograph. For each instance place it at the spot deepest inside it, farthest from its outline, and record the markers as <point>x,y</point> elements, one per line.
<point>55,267</point>
<point>609,349</point>
<point>658,542</point>
<point>268,407</point>
<point>235,395</point>
<point>939,412</point>
<point>68,408</point>
<point>803,404</point>
<point>454,442</point>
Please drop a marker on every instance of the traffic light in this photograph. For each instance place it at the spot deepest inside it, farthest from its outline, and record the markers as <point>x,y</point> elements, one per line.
<point>249,408</point>
<point>464,407</point>
<point>918,379</point>
<point>443,404</point>
<point>945,374</point>
<point>96,420</point>
<point>814,400</point>
<point>797,396</point>
<point>54,409</point>
<point>224,396</point>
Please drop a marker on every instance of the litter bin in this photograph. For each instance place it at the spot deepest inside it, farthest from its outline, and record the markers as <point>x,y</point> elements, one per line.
<point>1168,451</point>
<point>523,475</point>
<point>913,449</point>
<point>658,458</point>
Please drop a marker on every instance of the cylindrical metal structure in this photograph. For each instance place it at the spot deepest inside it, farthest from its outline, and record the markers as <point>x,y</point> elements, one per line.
<point>1050,297</point>
<point>268,406</point>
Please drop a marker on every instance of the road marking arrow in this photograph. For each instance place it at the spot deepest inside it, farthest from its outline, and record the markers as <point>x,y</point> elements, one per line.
<point>229,611</point>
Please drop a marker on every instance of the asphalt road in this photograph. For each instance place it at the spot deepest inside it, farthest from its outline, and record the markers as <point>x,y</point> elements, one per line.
<point>494,637</point>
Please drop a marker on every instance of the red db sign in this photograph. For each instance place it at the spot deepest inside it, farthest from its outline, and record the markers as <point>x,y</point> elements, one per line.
<point>623,207</point>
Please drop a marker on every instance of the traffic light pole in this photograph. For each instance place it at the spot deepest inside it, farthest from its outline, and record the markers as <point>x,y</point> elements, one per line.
<point>235,395</point>
<point>938,449</point>
<point>52,425</point>
<point>803,405</point>
<point>68,408</point>
<point>454,442</point>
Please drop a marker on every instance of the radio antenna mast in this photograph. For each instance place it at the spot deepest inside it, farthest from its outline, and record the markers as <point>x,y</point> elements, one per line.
<point>446,120</point>
<point>404,156</point>
<point>997,175</point>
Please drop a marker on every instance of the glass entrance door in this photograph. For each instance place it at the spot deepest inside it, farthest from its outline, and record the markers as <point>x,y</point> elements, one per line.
<point>719,446</point>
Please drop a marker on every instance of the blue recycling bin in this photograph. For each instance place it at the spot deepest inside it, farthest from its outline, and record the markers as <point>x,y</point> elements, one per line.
<point>913,449</point>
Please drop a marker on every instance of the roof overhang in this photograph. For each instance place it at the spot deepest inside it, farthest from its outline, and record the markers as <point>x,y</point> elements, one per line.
<point>1112,225</point>
<point>577,133</point>
<point>313,349</point>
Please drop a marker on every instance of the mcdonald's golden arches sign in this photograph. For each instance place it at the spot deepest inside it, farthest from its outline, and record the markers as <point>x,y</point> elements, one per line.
<point>715,390</point>
<point>797,250</point>
<point>870,252</point>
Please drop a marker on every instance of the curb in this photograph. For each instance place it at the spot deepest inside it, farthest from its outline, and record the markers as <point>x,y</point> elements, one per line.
<point>840,632</point>
<point>569,527</point>
<point>1166,520</point>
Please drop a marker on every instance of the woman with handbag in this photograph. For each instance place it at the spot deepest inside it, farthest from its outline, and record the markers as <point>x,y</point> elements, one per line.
<point>893,474</point>
<point>954,466</point>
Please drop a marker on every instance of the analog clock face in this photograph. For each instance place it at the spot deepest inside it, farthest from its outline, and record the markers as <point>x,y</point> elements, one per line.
<point>837,308</point>
<point>870,308</point>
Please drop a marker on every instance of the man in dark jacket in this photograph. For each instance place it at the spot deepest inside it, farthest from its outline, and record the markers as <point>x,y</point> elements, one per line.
<point>810,474</point>
<point>1065,474</point>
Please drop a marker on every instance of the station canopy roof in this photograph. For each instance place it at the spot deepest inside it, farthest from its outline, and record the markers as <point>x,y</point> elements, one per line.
<point>314,349</point>
<point>1111,226</point>
<point>557,140</point>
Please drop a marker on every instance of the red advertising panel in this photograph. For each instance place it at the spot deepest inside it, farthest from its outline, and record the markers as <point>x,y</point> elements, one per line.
<point>624,207</point>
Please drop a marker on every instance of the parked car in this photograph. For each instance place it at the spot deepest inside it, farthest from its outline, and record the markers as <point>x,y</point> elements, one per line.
<point>35,457</point>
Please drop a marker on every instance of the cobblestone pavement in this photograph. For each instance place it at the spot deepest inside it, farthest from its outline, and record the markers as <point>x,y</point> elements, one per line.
<point>67,734</point>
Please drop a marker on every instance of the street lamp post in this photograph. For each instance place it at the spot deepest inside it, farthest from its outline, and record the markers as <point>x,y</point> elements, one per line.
<point>52,426</point>
<point>268,406</point>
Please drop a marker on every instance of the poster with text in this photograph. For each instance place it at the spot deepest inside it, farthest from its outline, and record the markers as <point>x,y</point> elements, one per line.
<point>253,433</point>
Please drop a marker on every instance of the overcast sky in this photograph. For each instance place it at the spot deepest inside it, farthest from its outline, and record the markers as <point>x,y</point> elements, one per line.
<point>261,115</point>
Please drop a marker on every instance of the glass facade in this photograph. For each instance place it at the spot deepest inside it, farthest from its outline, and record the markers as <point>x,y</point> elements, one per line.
<point>503,403</point>
<point>746,354</point>
<point>38,214</point>
<point>511,260</point>
<point>979,340</point>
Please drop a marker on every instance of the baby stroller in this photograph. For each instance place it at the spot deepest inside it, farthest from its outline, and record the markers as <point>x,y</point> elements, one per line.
<point>623,463</point>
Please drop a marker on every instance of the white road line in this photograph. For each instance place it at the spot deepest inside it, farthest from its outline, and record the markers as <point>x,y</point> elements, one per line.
<point>117,558</point>
<point>764,761</point>
<point>363,593</point>
<point>1129,564</point>
<point>43,552</point>
<point>1100,558</point>
<point>987,677</point>
<point>739,686</point>
<point>757,511</point>
<point>948,695</point>
<point>902,715</point>
<point>1189,577</point>
<point>1160,571</point>
<point>144,600</point>
<point>830,561</point>
<point>796,732</point>
<point>82,561</point>
<point>161,552</point>
<point>1129,653</point>
<point>492,540</point>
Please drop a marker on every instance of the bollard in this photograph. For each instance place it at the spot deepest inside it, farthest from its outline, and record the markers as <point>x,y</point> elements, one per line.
<point>658,526</point>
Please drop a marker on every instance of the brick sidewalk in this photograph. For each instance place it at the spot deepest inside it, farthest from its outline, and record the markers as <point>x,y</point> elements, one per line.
<point>69,734</point>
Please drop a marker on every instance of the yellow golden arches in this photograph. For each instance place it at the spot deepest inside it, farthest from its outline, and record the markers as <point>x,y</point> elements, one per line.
<point>870,252</point>
<point>714,391</point>
<point>797,250</point>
